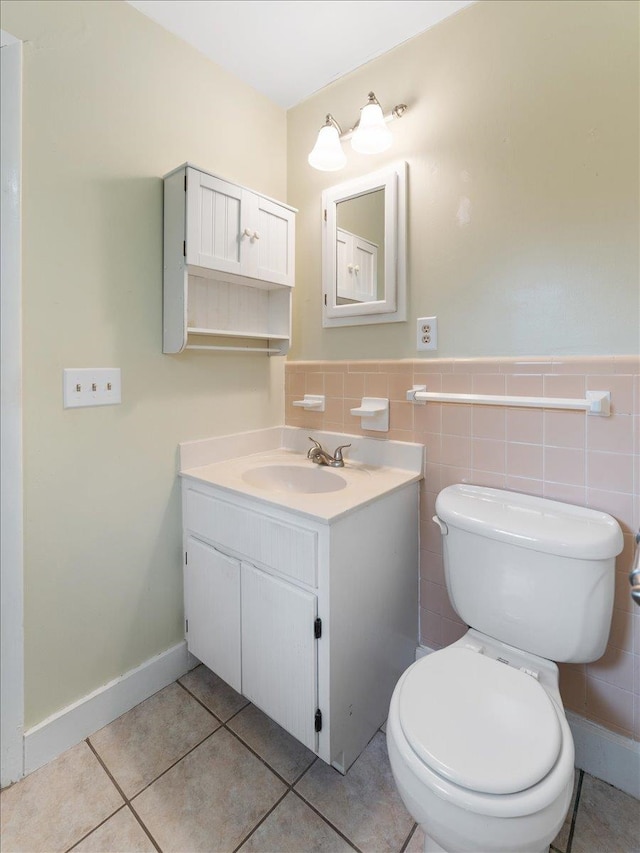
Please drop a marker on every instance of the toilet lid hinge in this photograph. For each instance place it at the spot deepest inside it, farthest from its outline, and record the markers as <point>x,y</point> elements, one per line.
<point>532,672</point>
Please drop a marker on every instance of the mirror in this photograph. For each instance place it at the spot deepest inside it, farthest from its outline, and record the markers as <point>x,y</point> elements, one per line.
<point>364,249</point>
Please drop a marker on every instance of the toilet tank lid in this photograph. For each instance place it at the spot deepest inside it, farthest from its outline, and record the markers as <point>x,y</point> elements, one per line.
<point>531,522</point>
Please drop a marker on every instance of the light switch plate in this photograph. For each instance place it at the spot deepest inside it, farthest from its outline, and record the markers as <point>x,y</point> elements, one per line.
<point>91,386</point>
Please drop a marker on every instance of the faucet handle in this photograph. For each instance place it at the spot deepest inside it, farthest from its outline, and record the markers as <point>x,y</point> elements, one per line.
<point>337,453</point>
<point>316,446</point>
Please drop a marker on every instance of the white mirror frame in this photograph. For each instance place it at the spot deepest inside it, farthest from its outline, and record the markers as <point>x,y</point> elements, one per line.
<point>393,307</point>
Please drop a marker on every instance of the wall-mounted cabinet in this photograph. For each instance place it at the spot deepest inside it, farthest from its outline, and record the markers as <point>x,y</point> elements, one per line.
<point>228,266</point>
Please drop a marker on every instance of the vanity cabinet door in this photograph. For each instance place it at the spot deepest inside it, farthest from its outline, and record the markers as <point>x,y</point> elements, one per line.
<point>279,658</point>
<point>212,610</point>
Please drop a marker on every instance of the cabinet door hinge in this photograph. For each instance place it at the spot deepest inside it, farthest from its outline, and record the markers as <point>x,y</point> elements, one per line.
<point>186,626</point>
<point>186,557</point>
<point>325,299</point>
<point>325,214</point>
<point>184,248</point>
<point>317,628</point>
<point>185,181</point>
<point>318,720</point>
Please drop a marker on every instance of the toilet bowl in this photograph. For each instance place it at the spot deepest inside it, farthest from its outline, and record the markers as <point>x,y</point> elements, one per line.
<point>480,750</point>
<point>478,741</point>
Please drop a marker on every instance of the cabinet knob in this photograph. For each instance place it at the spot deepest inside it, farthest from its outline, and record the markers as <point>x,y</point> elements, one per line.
<point>256,236</point>
<point>357,268</point>
<point>350,267</point>
<point>246,233</point>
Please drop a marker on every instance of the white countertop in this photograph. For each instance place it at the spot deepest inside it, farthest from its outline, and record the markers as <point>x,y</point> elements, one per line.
<point>364,480</point>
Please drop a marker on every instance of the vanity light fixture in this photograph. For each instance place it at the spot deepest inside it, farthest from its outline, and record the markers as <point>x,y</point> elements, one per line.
<point>370,135</point>
<point>327,154</point>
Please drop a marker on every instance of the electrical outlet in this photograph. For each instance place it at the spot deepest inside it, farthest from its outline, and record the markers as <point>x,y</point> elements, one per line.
<point>427,333</point>
<point>91,386</point>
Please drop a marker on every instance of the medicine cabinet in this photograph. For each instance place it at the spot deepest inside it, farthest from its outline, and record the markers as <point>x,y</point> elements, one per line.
<point>364,249</point>
<point>228,266</point>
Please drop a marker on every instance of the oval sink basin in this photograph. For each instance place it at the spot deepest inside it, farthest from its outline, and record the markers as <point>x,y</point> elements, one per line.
<point>294,478</point>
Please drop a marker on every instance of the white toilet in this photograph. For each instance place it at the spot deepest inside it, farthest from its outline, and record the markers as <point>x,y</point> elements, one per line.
<point>478,741</point>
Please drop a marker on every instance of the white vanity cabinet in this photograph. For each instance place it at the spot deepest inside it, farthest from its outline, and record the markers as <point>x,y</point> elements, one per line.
<point>313,621</point>
<point>228,264</point>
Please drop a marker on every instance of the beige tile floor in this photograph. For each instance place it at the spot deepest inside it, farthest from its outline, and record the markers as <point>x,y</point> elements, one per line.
<point>197,768</point>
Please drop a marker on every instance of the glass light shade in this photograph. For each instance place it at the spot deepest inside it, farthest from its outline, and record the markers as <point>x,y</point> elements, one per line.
<point>327,154</point>
<point>372,134</point>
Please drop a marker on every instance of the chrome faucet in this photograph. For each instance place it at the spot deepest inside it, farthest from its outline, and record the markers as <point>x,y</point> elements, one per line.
<point>320,456</point>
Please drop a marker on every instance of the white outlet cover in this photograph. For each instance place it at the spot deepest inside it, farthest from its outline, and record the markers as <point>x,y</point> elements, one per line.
<point>427,333</point>
<point>91,386</point>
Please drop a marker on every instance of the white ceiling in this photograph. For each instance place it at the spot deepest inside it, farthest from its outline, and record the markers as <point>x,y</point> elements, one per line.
<point>288,49</point>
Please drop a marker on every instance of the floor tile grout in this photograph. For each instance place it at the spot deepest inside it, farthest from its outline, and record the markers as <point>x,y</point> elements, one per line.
<point>413,831</point>
<point>97,826</point>
<point>144,827</point>
<point>261,821</point>
<point>222,725</point>
<point>202,705</point>
<point>289,787</point>
<point>326,820</point>
<point>127,801</point>
<point>574,816</point>
<point>106,770</point>
<point>259,757</point>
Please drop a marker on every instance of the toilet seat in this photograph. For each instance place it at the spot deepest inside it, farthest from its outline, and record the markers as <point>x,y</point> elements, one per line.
<point>479,723</point>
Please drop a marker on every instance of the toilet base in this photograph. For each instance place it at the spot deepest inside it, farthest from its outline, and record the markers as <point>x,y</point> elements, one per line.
<point>432,846</point>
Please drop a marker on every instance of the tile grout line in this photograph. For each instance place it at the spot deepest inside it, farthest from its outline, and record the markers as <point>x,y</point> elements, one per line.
<point>207,709</point>
<point>289,786</point>
<point>409,837</point>
<point>123,795</point>
<point>223,725</point>
<point>97,826</point>
<point>171,766</point>
<point>575,812</point>
<point>290,789</point>
<point>261,821</point>
<point>326,820</point>
<point>255,755</point>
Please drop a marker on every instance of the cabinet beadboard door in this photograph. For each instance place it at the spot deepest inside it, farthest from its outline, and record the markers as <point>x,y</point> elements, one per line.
<point>270,253</point>
<point>214,221</point>
<point>212,608</point>
<point>279,661</point>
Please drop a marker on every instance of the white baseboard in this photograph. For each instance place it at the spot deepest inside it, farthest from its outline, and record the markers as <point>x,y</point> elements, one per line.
<point>72,724</point>
<point>600,752</point>
<point>606,755</point>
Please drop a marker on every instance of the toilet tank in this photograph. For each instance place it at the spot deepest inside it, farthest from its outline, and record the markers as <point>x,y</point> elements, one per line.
<point>534,573</point>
